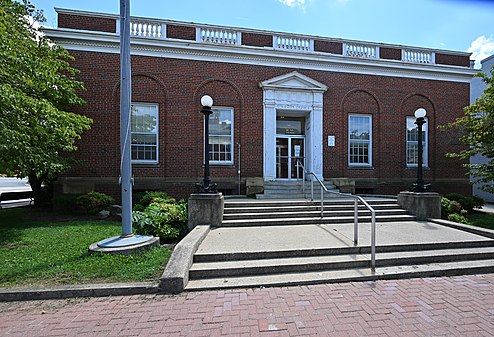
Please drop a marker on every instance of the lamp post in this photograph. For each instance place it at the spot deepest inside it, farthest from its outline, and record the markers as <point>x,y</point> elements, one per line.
<point>206,187</point>
<point>419,186</point>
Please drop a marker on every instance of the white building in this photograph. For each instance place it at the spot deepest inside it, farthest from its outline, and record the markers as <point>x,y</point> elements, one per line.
<point>476,89</point>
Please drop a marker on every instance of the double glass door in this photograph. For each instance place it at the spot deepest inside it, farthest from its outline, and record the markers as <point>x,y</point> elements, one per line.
<point>289,149</point>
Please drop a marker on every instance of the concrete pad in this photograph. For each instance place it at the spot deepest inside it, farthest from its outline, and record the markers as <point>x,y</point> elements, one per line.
<point>276,238</point>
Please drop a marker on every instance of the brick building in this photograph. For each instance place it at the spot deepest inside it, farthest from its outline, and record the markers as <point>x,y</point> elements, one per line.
<point>344,108</point>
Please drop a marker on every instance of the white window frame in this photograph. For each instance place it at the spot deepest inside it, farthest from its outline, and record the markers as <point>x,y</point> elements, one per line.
<point>224,162</point>
<point>369,164</point>
<point>144,161</point>
<point>425,159</point>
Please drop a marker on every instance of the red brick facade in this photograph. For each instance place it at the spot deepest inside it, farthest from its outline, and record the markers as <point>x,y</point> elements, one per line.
<point>176,86</point>
<point>257,40</point>
<point>99,24</point>
<point>390,53</point>
<point>452,60</point>
<point>180,32</point>
<point>328,47</point>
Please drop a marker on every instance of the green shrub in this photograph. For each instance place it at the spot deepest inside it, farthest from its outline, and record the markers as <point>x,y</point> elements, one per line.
<point>458,218</point>
<point>449,207</point>
<point>164,218</point>
<point>95,202</point>
<point>467,203</point>
<point>148,197</point>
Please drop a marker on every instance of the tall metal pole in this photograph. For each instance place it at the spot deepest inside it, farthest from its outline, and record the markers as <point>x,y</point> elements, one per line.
<point>125,101</point>
<point>420,178</point>
<point>206,110</point>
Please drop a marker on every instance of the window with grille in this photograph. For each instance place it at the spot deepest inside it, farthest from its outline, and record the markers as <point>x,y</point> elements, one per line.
<point>360,140</point>
<point>144,133</point>
<point>412,143</point>
<point>221,136</point>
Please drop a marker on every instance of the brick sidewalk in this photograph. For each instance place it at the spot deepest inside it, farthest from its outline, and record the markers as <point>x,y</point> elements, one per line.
<point>455,306</point>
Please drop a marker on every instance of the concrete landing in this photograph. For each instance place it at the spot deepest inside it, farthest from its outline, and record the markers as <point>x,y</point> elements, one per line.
<point>280,238</point>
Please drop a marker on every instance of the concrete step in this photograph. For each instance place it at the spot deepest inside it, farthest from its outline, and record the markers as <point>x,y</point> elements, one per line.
<point>335,251</point>
<point>332,262</point>
<point>294,209</point>
<point>299,202</point>
<point>314,220</point>
<point>279,195</point>
<point>292,190</point>
<point>295,183</point>
<point>345,275</point>
<point>311,214</point>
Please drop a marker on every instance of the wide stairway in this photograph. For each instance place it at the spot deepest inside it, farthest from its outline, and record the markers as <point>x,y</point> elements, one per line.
<point>286,242</point>
<point>303,212</point>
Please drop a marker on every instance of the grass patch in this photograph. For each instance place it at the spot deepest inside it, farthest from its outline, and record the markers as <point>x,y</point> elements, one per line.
<point>480,219</point>
<point>39,248</point>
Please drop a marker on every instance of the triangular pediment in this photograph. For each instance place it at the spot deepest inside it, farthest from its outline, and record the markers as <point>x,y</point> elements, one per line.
<point>293,80</point>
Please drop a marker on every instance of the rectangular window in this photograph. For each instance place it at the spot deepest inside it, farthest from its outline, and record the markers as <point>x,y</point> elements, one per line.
<point>360,140</point>
<point>412,143</point>
<point>144,133</point>
<point>221,136</point>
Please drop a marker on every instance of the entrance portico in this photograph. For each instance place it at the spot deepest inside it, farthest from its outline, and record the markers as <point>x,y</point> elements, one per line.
<point>297,97</point>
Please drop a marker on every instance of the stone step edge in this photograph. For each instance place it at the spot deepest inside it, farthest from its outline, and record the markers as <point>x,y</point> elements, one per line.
<point>311,207</point>
<point>306,202</point>
<point>312,252</point>
<point>314,220</point>
<point>328,213</point>
<point>337,276</point>
<point>326,263</point>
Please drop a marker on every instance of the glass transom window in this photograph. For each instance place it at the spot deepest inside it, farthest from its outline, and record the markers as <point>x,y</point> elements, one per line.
<point>412,143</point>
<point>360,140</point>
<point>144,133</point>
<point>221,136</point>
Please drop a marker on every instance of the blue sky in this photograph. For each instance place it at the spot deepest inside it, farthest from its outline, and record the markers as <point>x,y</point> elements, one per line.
<point>464,25</point>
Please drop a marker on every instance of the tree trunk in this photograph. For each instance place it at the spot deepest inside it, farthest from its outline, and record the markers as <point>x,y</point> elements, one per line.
<point>35,183</point>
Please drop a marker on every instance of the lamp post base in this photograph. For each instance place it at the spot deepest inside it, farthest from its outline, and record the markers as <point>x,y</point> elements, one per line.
<point>420,187</point>
<point>206,188</point>
<point>423,205</point>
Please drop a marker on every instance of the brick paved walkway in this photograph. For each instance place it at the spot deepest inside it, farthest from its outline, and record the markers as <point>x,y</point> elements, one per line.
<point>456,306</point>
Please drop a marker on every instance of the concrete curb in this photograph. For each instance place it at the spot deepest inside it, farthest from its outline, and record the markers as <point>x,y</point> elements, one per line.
<point>176,274</point>
<point>83,290</point>
<point>488,233</point>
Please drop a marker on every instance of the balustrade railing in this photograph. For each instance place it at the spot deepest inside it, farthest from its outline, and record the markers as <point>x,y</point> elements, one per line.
<point>147,29</point>
<point>293,43</point>
<point>417,56</point>
<point>218,36</point>
<point>360,50</point>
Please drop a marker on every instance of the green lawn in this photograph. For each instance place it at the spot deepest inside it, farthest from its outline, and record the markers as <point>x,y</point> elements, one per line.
<point>481,219</point>
<point>39,248</point>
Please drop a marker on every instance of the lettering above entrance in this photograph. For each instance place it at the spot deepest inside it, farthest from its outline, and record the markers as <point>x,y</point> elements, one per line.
<point>291,98</point>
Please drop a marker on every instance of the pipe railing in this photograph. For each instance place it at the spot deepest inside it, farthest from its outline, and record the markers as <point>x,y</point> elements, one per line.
<point>356,199</point>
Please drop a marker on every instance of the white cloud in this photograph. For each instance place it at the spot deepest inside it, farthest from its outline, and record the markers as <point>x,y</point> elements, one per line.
<point>293,3</point>
<point>481,48</point>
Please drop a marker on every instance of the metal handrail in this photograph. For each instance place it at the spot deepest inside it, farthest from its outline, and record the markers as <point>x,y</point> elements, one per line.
<point>356,199</point>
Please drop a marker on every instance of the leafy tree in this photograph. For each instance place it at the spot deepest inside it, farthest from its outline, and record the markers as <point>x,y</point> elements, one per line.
<point>37,87</point>
<point>478,127</point>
